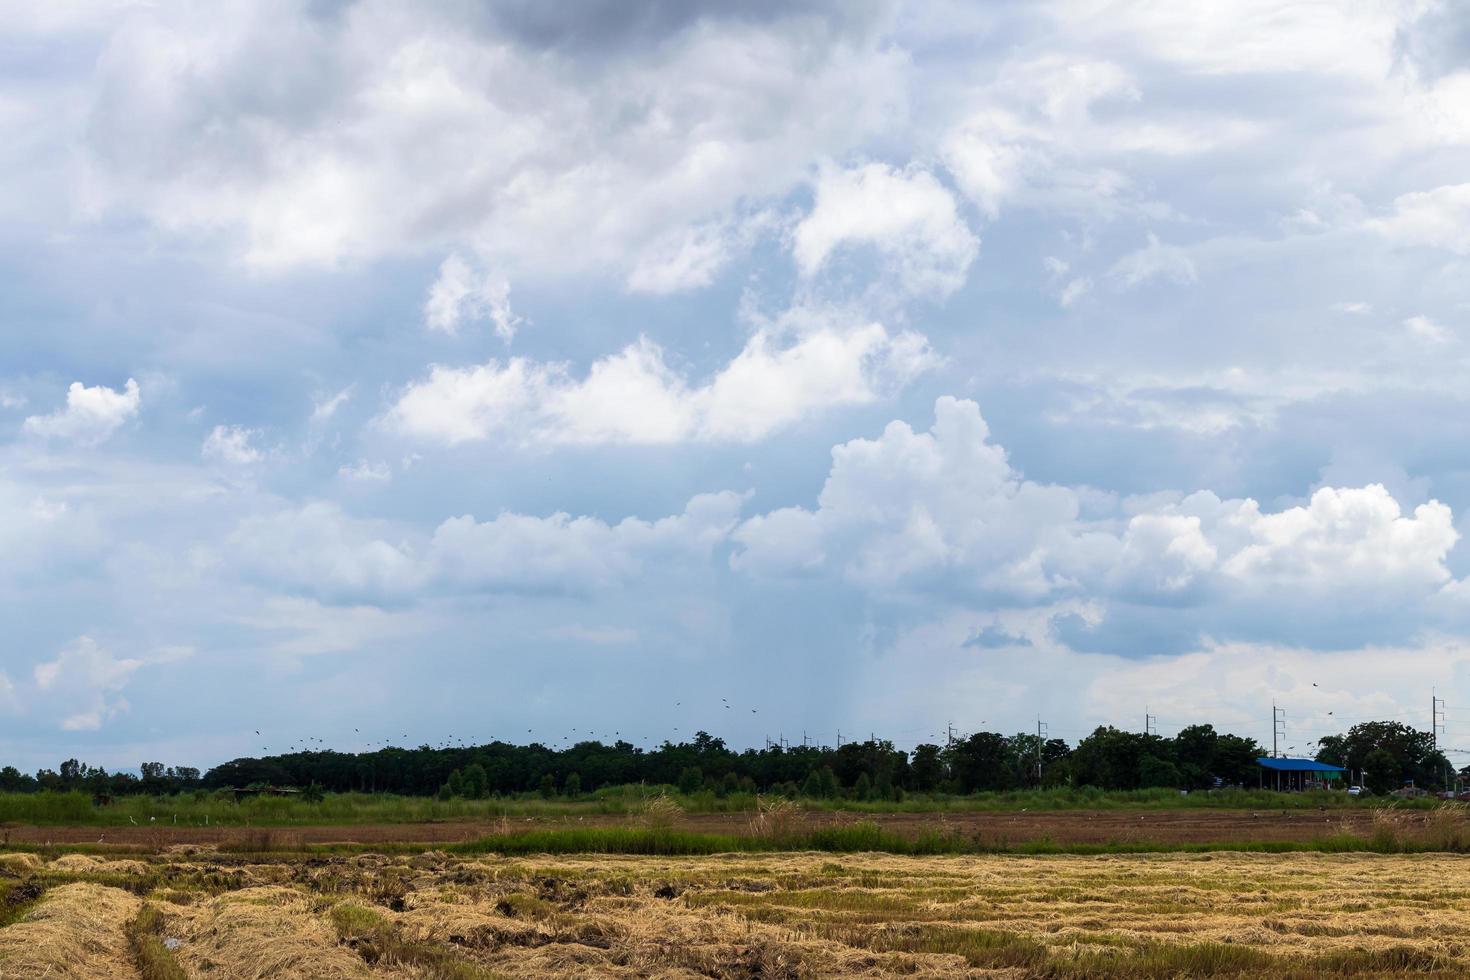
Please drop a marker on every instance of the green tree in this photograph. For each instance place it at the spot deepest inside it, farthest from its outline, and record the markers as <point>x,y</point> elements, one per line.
<point>1235,760</point>
<point>813,786</point>
<point>863,788</point>
<point>982,762</point>
<point>1156,773</point>
<point>926,770</point>
<point>474,782</point>
<point>572,785</point>
<point>547,786</point>
<point>1381,772</point>
<point>1414,756</point>
<point>691,778</point>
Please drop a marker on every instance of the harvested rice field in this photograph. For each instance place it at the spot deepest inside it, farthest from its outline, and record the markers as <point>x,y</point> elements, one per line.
<point>194,912</point>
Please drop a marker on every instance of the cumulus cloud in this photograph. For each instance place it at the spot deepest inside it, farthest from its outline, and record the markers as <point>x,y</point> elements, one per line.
<point>319,550</point>
<point>86,681</point>
<point>943,512</point>
<point>560,553</point>
<point>460,295</point>
<point>1423,328</point>
<point>444,126</point>
<point>327,406</point>
<point>1438,218</point>
<point>784,372</point>
<point>1155,260</point>
<point>91,415</point>
<point>906,216</point>
<point>232,444</point>
<point>322,552</point>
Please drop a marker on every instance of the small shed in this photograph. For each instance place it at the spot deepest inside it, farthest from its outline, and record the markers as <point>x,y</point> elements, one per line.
<point>1297,774</point>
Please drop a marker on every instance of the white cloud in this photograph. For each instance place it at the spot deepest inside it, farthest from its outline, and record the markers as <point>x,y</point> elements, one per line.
<point>366,472</point>
<point>785,372</point>
<point>1439,218</point>
<point>684,259</point>
<point>231,444</point>
<point>943,511</point>
<point>903,506</point>
<point>547,153</point>
<point>294,626</point>
<point>1154,260</point>
<point>86,682</point>
<point>1356,308</point>
<point>1073,292</point>
<point>319,550</point>
<point>1243,36</point>
<point>460,295</point>
<point>1343,540</point>
<point>906,215</point>
<point>91,415</point>
<point>1426,329</point>
<point>560,553</point>
<point>327,407</point>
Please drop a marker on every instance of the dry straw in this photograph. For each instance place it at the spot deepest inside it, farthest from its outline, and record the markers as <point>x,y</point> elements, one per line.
<point>75,931</point>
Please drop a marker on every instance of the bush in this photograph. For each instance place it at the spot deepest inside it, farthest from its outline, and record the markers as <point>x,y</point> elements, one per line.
<point>690,780</point>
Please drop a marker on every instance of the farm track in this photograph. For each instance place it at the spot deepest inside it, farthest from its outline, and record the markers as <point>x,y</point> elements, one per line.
<point>1061,827</point>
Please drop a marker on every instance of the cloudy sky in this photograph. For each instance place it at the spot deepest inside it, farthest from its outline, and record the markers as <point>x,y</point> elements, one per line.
<point>381,371</point>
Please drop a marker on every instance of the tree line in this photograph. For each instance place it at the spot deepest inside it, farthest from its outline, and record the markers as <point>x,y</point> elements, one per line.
<point>1197,757</point>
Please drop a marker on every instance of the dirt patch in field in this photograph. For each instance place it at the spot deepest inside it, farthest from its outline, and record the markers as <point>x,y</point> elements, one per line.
<point>1062,827</point>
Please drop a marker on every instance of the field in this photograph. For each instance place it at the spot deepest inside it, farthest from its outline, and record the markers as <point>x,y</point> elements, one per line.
<point>197,912</point>
<point>339,809</point>
<point>982,830</point>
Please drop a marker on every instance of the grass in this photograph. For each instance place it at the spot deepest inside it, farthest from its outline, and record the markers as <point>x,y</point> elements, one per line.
<point>155,961</point>
<point>17,898</point>
<point>379,941</point>
<point>199,810</point>
<point>869,837</point>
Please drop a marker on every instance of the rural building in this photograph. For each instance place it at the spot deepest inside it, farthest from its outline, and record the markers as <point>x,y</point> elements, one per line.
<point>1297,774</point>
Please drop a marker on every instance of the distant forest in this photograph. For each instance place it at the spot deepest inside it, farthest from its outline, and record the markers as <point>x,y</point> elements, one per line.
<point>1108,759</point>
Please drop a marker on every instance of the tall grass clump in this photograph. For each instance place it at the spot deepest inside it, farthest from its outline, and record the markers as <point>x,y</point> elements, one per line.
<point>154,960</point>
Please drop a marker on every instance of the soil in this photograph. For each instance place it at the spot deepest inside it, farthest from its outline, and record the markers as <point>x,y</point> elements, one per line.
<point>1062,827</point>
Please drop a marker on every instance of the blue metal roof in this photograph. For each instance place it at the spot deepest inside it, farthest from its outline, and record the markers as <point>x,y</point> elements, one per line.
<point>1298,765</point>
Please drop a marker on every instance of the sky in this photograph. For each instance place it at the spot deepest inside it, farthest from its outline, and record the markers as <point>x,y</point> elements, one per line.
<point>456,371</point>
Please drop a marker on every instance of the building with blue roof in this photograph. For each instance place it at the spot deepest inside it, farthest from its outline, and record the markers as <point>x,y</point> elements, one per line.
<point>1298,774</point>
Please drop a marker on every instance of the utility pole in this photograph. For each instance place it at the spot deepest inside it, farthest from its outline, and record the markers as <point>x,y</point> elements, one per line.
<point>1150,722</point>
<point>1436,729</point>
<point>1436,720</point>
<point>1278,729</point>
<point>1040,738</point>
<point>949,734</point>
<point>803,738</point>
